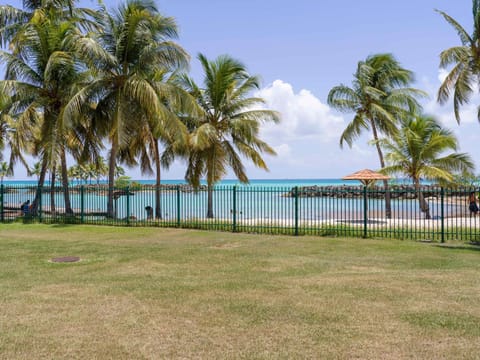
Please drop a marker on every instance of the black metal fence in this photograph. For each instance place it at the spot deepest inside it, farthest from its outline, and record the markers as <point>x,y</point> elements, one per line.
<point>333,210</point>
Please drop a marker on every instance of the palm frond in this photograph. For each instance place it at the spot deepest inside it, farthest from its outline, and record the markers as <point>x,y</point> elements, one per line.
<point>464,37</point>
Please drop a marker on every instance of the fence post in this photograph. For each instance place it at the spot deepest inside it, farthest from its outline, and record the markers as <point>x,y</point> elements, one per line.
<point>365,211</point>
<point>178,205</point>
<point>128,204</point>
<point>234,210</point>
<point>2,215</point>
<point>296,210</point>
<point>82,204</point>
<point>442,203</point>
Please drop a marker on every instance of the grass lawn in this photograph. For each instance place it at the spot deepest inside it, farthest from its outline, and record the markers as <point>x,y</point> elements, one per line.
<point>146,293</point>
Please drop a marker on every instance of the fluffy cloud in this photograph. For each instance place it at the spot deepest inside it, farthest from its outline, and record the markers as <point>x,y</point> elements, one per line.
<point>303,115</point>
<point>307,138</point>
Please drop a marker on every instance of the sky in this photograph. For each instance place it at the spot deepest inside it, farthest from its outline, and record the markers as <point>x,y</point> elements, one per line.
<point>303,48</point>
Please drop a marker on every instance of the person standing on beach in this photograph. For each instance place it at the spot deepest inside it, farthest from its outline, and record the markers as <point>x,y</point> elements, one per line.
<point>473,207</point>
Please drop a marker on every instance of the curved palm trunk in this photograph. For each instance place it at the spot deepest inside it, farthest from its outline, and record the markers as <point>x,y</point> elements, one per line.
<point>158,194</point>
<point>41,181</point>
<point>421,200</point>
<point>388,201</point>
<point>66,190</point>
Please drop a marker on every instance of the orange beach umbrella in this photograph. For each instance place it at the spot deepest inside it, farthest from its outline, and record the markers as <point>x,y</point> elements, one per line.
<point>366,176</point>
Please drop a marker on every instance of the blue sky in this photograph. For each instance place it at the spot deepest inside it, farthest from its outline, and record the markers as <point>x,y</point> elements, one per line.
<point>301,49</point>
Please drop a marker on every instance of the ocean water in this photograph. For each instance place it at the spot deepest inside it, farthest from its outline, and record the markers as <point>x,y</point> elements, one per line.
<point>231,182</point>
<point>261,199</point>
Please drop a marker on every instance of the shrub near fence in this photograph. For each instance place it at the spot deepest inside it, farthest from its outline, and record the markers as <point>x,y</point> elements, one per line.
<point>333,210</point>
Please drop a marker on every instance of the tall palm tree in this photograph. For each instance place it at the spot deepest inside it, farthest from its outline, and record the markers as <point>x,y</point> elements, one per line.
<point>418,152</point>
<point>465,59</point>
<point>133,44</point>
<point>151,136</point>
<point>42,69</point>
<point>379,97</point>
<point>40,73</point>
<point>228,129</point>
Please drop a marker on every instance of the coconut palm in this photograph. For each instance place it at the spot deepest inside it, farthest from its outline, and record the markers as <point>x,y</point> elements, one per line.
<point>418,152</point>
<point>14,133</point>
<point>228,129</point>
<point>3,171</point>
<point>379,97</point>
<point>464,61</point>
<point>133,44</point>
<point>39,76</point>
<point>13,20</point>
<point>151,136</point>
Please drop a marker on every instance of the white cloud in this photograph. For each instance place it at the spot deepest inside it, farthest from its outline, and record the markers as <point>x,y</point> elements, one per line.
<point>442,75</point>
<point>307,138</point>
<point>302,115</point>
<point>283,150</point>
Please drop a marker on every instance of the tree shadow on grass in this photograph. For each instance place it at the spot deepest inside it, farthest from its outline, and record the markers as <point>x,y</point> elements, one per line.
<point>473,246</point>
<point>63,225</point>
<point>372,222</point>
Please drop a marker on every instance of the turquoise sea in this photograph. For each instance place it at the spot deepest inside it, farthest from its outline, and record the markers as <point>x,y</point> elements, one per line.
<point>253,182</point>
<point>261,199</point>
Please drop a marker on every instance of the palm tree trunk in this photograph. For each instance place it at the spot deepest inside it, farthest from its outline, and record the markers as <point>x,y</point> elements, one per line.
<point>41,181</point>
<point>421,200</point>
<point>52,193</point>
<point>158,205</point>
<point>111,178</point>
<point>210,177</point>
<point>388,201</point>
<point>66,190</point>
<point>210,201</point>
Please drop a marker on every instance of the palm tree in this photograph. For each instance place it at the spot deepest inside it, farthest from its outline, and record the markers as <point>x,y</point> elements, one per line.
<point>465,60</point>
<point>133,44</point>
<point>417,151</point>
<point>14,133</point>
<point>3,171</point>
<point>228,129</point>
<point>379,97</point>
<point>101,169</point>
<point>42,70</point>
<point>151,136</point>
<point>35,170</point>
<point>14,20</point>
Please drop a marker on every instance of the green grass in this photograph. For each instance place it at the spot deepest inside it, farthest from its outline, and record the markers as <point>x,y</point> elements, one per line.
<point>173,293</point>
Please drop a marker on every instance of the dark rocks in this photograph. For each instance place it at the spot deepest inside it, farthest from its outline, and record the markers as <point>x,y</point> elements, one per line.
<point>373,192</point>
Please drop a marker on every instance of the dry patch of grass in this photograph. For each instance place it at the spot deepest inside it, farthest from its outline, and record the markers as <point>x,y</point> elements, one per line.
<point>163,293</point>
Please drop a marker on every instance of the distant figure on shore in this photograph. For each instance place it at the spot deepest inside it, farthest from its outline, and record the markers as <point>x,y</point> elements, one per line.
<point>149,211</point>
<point>473,207</point>
<point>25,208</point>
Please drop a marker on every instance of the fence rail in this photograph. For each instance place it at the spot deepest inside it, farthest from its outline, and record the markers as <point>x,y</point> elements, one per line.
<point>332,210</point>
